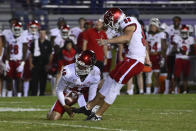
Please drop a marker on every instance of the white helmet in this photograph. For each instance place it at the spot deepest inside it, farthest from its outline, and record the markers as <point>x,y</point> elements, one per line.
<point>17,29</point>
<point>65,32</point>
<point>155,21</point>
<point>113,17</point>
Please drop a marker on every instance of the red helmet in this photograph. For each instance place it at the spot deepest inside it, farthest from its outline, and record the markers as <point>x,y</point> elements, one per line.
<point>184,31</point>
<point>17,29</point>
<point>112,18</point>
<point>65,31</point>
<point>85,62</point>
<point>34,26</point>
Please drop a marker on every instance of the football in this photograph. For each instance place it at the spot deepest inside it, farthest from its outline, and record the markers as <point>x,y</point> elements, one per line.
<point>71,98</point>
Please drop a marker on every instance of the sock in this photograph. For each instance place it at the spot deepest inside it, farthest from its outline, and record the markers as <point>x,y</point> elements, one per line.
<point>156,89</point>
<point>26,88</point>
<point>166,87</point>
<point>176,90</point>
<point>148,90</point>
<point>4,90</point>
<point>141,91</point>
<point>9,93</point>
<point>19,94</point>
<point>131,91</point>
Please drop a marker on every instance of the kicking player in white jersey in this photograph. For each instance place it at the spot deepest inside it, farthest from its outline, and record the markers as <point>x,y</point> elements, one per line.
<point>133,64</point>
<point>81,74</point>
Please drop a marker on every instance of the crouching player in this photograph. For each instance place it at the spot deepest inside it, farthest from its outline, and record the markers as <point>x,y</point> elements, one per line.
<point>83,73</point>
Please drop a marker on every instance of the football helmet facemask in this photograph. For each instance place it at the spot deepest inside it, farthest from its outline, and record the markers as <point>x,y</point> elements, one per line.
<point>85,62</point>
<point>184,31</point>
<point>17,29</point>
<point>34,27</point>
<point>65,32</point>
<point>112,18</point>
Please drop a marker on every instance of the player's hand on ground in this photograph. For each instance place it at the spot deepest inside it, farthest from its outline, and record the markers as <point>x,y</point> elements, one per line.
<point>69,111</point>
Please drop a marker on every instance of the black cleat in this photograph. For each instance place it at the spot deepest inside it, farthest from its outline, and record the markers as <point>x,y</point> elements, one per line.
<point>93,117</point>
<point>82,110</point>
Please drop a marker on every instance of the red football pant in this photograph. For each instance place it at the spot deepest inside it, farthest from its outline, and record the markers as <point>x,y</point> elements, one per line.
<point>125,70</point>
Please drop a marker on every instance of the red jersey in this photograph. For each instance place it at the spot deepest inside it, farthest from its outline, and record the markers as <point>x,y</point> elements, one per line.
<point>91,35</point>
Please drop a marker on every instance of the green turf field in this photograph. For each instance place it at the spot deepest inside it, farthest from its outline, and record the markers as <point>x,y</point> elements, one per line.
<point>134,113</point>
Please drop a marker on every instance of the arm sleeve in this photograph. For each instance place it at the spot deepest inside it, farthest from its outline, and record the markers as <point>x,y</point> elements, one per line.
<point>52,32</point>
<point>59,91</point>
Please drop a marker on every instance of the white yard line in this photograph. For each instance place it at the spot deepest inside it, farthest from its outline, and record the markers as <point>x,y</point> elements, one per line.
<point>65,125</point>
<point>14,102</point>
<point>9,109</point>
<point>149,109</point>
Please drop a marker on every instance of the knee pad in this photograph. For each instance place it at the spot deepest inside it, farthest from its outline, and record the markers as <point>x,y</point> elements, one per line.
<point>149,78</point>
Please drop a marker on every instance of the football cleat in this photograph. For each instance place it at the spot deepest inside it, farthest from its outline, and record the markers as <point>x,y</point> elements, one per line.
<point>82,110</point>
<point>94,117</point>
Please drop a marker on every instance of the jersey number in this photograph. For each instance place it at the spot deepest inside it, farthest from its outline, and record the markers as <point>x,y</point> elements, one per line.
<point>64,72</point>
<point>155,46</point>
<point>126,20</point>
<point>14,49</point>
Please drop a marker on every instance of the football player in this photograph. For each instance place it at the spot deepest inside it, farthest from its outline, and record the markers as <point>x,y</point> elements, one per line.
<point>81,74</point>
<point>16,52</point>
<point>157,52</point>
<point>171,31</point>
<point>57,31</point>
<point>182,63</point>
<point>75,31</point>
<point>32,34</point>
<point>133,64</point>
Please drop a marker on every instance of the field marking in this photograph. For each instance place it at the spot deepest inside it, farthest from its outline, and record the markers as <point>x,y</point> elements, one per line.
<point>8,109</point>
<point>13,102</point>
<point>65,125</point>
<point>150,109</point>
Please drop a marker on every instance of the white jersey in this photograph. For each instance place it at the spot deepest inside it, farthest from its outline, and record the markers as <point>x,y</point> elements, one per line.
<point>30,37</point>
<point>75,31</point>
<point>171,32</point>
<point>59,41</point>
<point>69,79</point>
<point>137,48</point>
<point>183,44</point>
<point>7,34</point>
<point>16,47</point>
<point>55,32</point>
<point>155,41</point>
